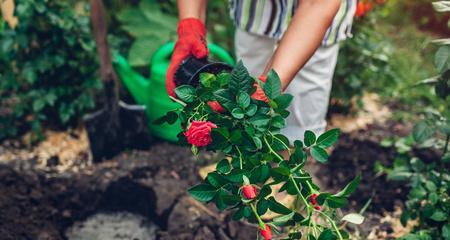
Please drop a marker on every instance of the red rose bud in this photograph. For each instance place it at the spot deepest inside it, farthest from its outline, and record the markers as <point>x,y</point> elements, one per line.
<point>313,199</point>
<point>266,233</point>
<point>249,191</point>
<point>199,133</point>
<point>317,207</point>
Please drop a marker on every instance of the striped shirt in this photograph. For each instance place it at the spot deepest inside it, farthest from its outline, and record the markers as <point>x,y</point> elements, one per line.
<point>272,17</point>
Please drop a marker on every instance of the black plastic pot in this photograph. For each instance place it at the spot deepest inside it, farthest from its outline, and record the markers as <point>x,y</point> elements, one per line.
<point>189,71</point>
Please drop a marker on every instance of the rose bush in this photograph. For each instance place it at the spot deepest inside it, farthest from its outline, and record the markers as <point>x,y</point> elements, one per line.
<point>247,132</point>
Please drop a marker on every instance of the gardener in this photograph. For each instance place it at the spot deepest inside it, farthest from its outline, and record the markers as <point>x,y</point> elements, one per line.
<point>298,39</point>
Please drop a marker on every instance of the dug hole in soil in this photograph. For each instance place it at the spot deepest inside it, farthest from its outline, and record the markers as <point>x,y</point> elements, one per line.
<point>142,194</point>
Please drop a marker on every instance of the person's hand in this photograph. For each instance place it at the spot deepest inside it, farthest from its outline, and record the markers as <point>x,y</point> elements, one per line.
<point>191,41</point>
<point>259,93</point>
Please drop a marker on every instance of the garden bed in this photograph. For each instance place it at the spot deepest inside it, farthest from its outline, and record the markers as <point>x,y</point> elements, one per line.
<point>46,201</point>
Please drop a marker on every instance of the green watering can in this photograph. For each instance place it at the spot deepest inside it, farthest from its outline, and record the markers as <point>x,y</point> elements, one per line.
<point>152,92</point>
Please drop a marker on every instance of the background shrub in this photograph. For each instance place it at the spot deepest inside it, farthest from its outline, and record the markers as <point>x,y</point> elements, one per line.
<point>47,65</point>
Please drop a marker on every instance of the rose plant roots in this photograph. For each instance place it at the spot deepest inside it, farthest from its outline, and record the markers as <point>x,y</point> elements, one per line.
<point>247,132</point>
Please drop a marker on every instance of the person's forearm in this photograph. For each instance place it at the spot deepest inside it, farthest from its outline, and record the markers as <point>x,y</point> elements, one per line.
<point>302,38</point>
<point>192,9</point>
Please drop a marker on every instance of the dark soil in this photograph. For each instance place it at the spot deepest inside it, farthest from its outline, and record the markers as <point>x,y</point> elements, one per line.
<point>36,205</point>
<point>153,184</point>
<point>356,154</point>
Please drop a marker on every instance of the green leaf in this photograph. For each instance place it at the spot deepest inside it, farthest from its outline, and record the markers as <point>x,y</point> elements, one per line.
<point>272,86</point>
<point>278,122</point>
<point>185,93</point>
<point>327,235</point>
<point>422,131</point>
<point>282,170</point>
<point>257,142</point>
<point>260,120</point>
<point>350,188</point>
<point>442,59</point>
<point>238,214</point>
<point>446,231</point>
<point>237,113</point>
<point>216,180</point>
<point>328,138</point>
<point>38,104</point>
<point>262,206</point>
<point>240,80</point>
<point>277,207</point>
<point>319,154</point>
<point>251,110</point>
<point>309,138</point>
<point>433,198</point>
<point>142,49</point>
<point>439,216</point>
<point>206,79</point>
<point>322,198</point>
<point>223,166</point>
<point>336,202</point>
<point>284,218</point>
<point>202,192</point>
<point>223,96</point>
<point>417,192</point>
<point>283,101</point>
<point>354,218</point>
<point>430,186</point>
<point>243,100</point>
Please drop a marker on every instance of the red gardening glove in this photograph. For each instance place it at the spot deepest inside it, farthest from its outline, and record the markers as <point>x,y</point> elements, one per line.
<point>216,106</point>
<point>259,93</point>
<point>191,41</point>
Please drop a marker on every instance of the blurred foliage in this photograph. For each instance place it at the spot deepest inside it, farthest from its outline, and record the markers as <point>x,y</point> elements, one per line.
<point>388,55</point>
<point>429,178</point>
<point>47,65</point>
<point>363,63</point>
<point>150,28</point>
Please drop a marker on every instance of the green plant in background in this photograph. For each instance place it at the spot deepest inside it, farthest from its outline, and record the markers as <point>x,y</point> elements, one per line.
<point>149,26</point>
<point>429,197</point>
<point>363,62</point>
<point>47,65</point>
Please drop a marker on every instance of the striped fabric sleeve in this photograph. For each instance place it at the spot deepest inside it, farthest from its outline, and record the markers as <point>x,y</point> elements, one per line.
<point>272,17</point>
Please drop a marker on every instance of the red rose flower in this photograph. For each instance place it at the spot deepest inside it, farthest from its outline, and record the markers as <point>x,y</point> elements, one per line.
<point>249,191</point>
<point>199,133</point>
<point>266,233</point>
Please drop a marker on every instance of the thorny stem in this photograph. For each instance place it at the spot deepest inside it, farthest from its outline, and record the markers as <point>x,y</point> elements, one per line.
<point>299,192</point>
<point>284,145</point>
<point>272,151</point>
<point>178,101</point>
<point>262,225</point>
<point>333,224</point>
<point>240,157</point>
